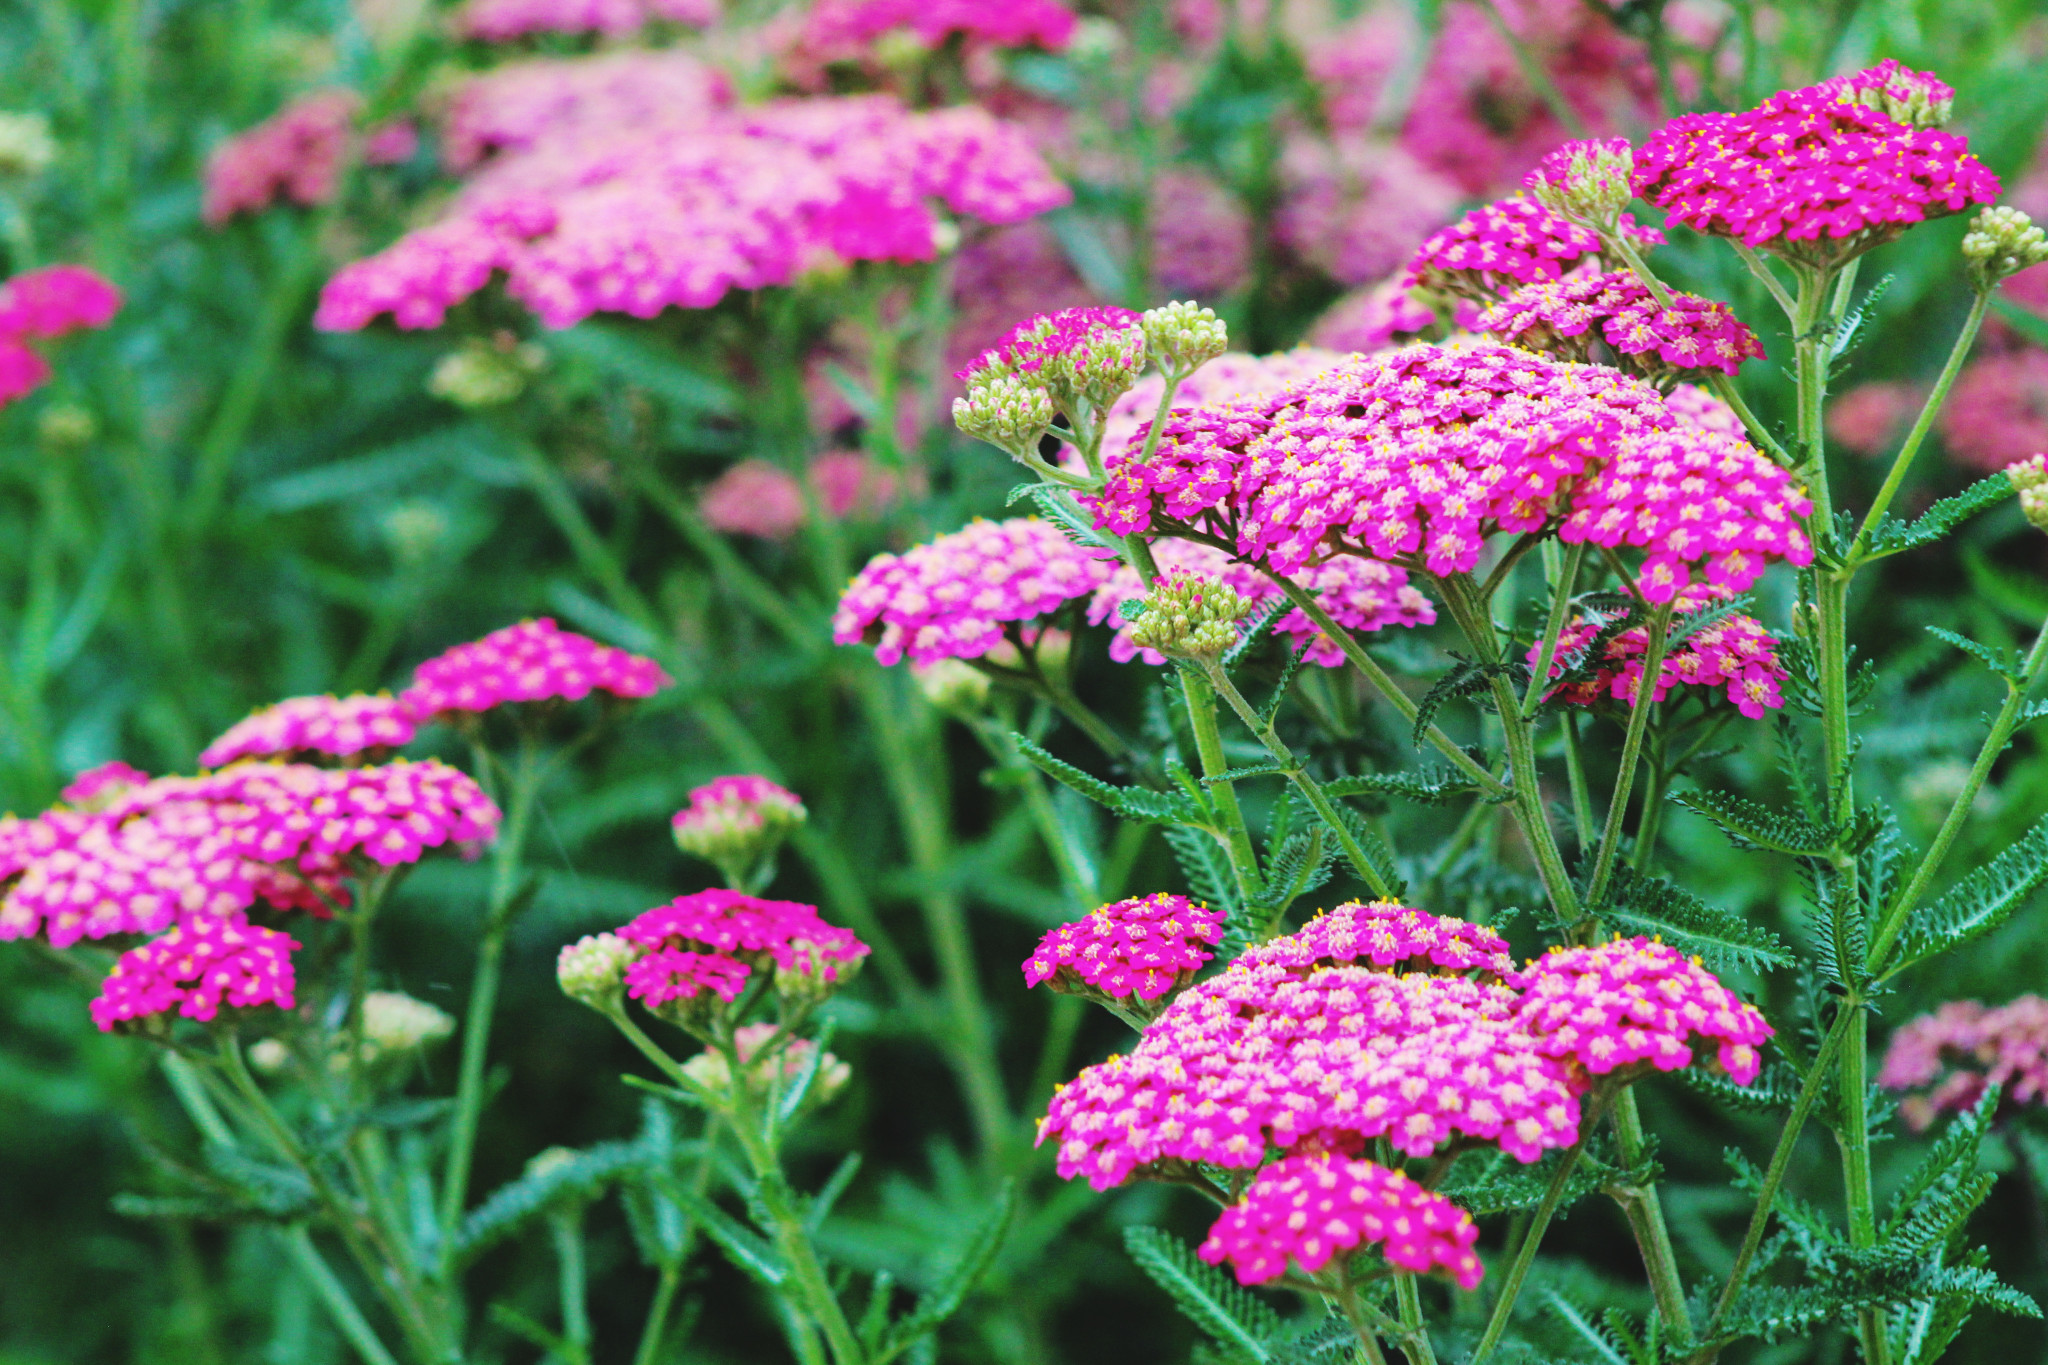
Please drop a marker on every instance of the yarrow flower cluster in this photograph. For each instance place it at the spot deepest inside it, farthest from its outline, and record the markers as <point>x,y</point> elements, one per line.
<point>735,822</point>
<point>197,968</point>
<point>1139,948</point>
<point>502,21</point>
<point>1394,938</point>
<point>1953,1054</point>
<point>335,727</point>
<point>1815,173</point>
<point>1634,1001</point>
<point>711,1070</point>
<point>96,788</point>
<point>1233,375</point>
<point>1316,1206</point>
<point>532,661</point>
<point>713,941</point>
<point>847,30</point>
<point>1360,595</point>
<point>1499,247</point>
<point>953,597</point>
<point>1091,353</point>
<point>296,154</point>
<point>44,304</point>
<point>516,107</point>
<point>1735,654</point>
<point>1662,341</point>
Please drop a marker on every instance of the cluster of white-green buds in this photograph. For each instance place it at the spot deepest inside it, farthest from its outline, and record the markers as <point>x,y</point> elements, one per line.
<point>1008,411</point>
<point>1588,181</point>
<point>592,970</point>
<point>486,374</point>
<point>713,1072</point>
<point>394,1026</point>
<point>1190,618</point>
<point>952,685</point>
<point>1914,98</point>
<point>26,147</point>
<point>1184,337</point>
<point>738,824</point>
<point>2002,241</point>
<point>2030,480</point>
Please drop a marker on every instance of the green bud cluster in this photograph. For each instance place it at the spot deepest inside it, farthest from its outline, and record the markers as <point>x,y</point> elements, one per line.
<point>486,374</point>
<point>2002,241</point>
<point>1005,409</point>
<point>2030,480</point>
<point>1184,336</point>
<point>1591,185</point>
<point>1190,618</point>
<point>592,970</point>
<point>26,147</point>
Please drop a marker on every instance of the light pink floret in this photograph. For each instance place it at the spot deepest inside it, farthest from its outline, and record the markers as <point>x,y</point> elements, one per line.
<point>1389,936</point>
<point>96,786</point>
<point>532,661</point>
<point>1140,947</point>
<point>1497,247</point>
<point>195,969</point>
<point>334,726</point>
<point>1954,1053</point>
<point>725,803</point>
<point>296,154</point>
<point>502,21</point>
<point>1310,1208</point>
<point>787,933</point>
<point>1632,1001</point>
<point>951,597</point>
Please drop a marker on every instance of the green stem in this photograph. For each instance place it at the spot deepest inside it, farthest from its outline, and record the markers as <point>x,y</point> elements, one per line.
<point>1575,777</point>
<point>649,1352</point>
<point>565,1230</point>
<point>1562,569</point>
<point>1361,1325</point>
<point>334,1296</point>
<point>1761,268</point>
<point>1645,1211</point>
<point>1640,707</point>
<point>1199,693</point>
<point>370,895</point>
<point>506,860</point>
<point>1525,1256</point>
<point>1652,818</point>
<point>1854,1140</point>
<point>1408,1301</point>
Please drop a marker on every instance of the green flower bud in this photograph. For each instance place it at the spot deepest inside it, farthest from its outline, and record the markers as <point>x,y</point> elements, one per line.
<point>952,685</point>
<point>486,374</point>
<point>1588,180</point>
<point>269,1056</point>
<point>711,1070</point>
<point>26,147</point>
<point>2001,242</point>
<point>1184,336</point>
<point>1006,410</point>
<point>592,970</point>
<point>1190,618</point>
<point>65,428</point>
<point>2030,480</point>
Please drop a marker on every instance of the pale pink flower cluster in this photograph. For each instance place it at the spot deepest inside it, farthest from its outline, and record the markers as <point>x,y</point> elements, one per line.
<point>297,154</point>
<point>1394,938</point>
<point>714,940</point>
<point>1952,1054</point>
<point>1499,247</point>
<point>1736,655</point>
<point>101,786</point>
<point>1564,317</point>
<point>1864,420</point>
<point>45,304</point>
<point>502,21</point>
<point>518,106</point>
<point>1697,407</point>
<point>1998,410</point>
<point>1360,595</point>
<point>756,498</point>
<point>1315,1206</point>
<point>532,661</point>
<point>639,218</point>
<point>953,597</point>
<point>1420,454</point>
<point>1201,236</point>
<point>331,726</point>
<point>195,969</point>
<point>1143,947</point>
<point>1633,1001</point>
<point>1809,172</point>
<point>1355,209</point>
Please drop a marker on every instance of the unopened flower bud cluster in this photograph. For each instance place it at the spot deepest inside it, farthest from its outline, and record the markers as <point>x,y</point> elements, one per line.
<point>1190,618</point>
<point>2030,480</point>
<point>2002,241</point>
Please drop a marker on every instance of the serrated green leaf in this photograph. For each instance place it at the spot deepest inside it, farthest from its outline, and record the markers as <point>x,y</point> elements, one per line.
<point>1203,864</point>
<point>1977,904</point>
<point>1751,825</point>
<point>1583,1329</point>
<point>745,1248</point>
<point>1220,1307</point>
<point>940,1303</point>
<point>512,1205</point>
<point>1892,536</point>
<point>1429,786</point>
<point>1722,937</point>
<point>1999,661</point>
<point>1131,803</point>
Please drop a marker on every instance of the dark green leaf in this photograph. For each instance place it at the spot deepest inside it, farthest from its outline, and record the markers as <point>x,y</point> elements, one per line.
<point>1977,904</point>
<point>1211,1300</point>
<point>1652,905</point>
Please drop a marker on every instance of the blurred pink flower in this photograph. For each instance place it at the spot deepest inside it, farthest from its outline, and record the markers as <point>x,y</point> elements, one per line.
<point>849,484</point>
<point>754,498</point>
<point>1201,236</point>
<point>1355,210</point>
<point>1370,319</point>
<point>1863,420</point>
<point>295,154</point>
<point>502,21</point>
<point>1002,275</point>
<point>1998,411</point>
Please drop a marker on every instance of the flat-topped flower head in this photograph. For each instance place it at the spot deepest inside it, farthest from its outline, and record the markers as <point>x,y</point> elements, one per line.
<point>1917,99</point>
<point>102,876</point>
<point>387,814</point>
<point>1136,949</point>
<point>531,662</point>
<point>1094,354</point>
<point>1587,181</point>
<point>671,976</point>
<point>956,596</point>
<point>750,931</point>
<point>95,788</point>
<point>1663,343</point>
<point>1814,174</point>
<point>736,822</point>
<point>1500,246</point>
<point>1735,656</point>
<point>1390,937</point>
<point>1310,1208</point>
<point>199,967</point>
<point>1953,1054</point>
<point>56,301</point>
<point>1360,595</point>
<point>1632,1002</point>
<point>301,727</point>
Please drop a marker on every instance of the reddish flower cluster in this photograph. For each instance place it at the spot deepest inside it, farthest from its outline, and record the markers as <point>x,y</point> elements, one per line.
<point>331,726</point>
<point>532,661</point>
<point>1143,947</point>
<point>1952,1054</point>
<point>44,304</point>
<point>1359,594</point>
<point>714,940</point>
<point>1998,411</point>
<point>1497,248</point>
<point>1735,654</point>
<point>1312,1207</point>
<point>1632,1001</point>
<point>195,969</point>
<point>679,211</point>
<point>1814,173</point>
<point>951,597</point>
<point>296,154</point>
<point>502,21</point>
<point>1560,318</point>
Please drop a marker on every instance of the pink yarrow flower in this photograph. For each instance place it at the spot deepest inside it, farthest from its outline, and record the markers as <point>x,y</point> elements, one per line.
<point>1736,654</point>
<point>1232,375</point>
<point>1374,318</point>
<point>1310,1208</point>
<point>1564,317</point>
<point>96,787</point>
<point>44,304</point>
<point>1396,938</point>
<point>503,21</point>
<point>297,154</point>
<point>955,597</point>
<point>714,940</point>
<point>335,727</point>
<point>737,810</point>
<point>1498,247</point>
<point>1143,947</point>
<point>532,661</point>
<point>1632,1001</point>
<point>197,968</point>
<point>1998,411</point>
<point>1953,1054</point>
<point>845,30</point>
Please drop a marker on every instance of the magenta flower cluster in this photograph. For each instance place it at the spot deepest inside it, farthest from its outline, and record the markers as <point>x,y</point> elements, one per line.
<point>1498,247</point>
<point>331,727</point>
<point>1312,1207</point>
<point>532,661</point>
<point>195,969</point>
<point>1812,171</point>
<point>953,597</point>
<point>1390,937</point>
<point>1736,654</point>
<point>1634,1001</point>
<point>744,800</point>
<point>714,940</point>
<point>503,21</point>
<point>1951,1055</point>
<point>844,30</point>
<point>516,107</point>
<point>42,305</point>
<point>1233,375</point>
<point>1139,948</point>
<point>1560,317</point>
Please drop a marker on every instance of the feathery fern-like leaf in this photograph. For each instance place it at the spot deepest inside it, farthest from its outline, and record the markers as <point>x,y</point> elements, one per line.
<point>1652,905</point>
<point>1979,903</point>
<point>1215,1303</point>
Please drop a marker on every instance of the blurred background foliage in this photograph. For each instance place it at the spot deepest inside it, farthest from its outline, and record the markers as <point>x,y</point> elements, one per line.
<point>214,506</point>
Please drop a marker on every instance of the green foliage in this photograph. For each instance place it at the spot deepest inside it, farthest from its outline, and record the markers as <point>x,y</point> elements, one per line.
<point>1892,536</point>
<point>1981,901</point>
<point>1226,1312</point>
<point>1130,803</point>
<point>1652,905</point>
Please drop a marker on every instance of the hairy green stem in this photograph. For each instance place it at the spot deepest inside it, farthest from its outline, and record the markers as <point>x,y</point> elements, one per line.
<point>1408,1302</point>
<point>1645,1212</point>
<point>1525,1255</point>
<point>1199,693</point>
<point>656,1327</point>
<point>348,1319</point>
<point>1640,707</point>
<point>565,1230</point>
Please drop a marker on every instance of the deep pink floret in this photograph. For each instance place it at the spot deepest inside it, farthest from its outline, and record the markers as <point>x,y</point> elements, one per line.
<point>1499,247</point>
<point>195,969</point>
<point>97,786</point>
<point>788,934</point>
<point>1391,937</point>
<point>532,661</point>
<point>668,974</point>
<point>332,726</point>
<point>1633,1001</point>
<point>297,154</point>
<point>844,30</point>
<point>1310,1208</point>
<point>1735,655</point>
<point>1564,317</point>
<point>1142,947</point>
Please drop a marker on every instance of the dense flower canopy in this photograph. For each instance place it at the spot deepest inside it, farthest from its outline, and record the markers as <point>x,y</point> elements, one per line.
<point>1310,1208</point>
<point>714,940</point>
<point>1633,1001</point>
<point>1563,317</point>
<point>197,968</point>
<point>1950,1056</point>
<point>1735,655</point>
<point>334,727</point>
<point>1141,947</point>
<point>1499,247</point>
